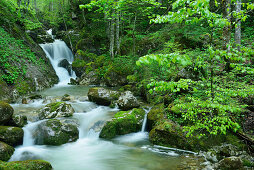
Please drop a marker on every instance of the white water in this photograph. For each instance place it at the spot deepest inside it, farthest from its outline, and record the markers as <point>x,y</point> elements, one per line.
<point>56,52</point>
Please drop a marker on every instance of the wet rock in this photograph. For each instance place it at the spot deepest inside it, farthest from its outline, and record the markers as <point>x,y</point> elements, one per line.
<point>66,97</point>
<point>73,82</point>
<point>11,135</point>
<point>127,101</point>
<point>124,122</point>
<point>6,112</point>
<point>55,132</point>
<point>18,120</point>
<point>6,151</point>
<point>154,116</point>
<point>169,134</point>
<point>65,64</point>
<point>24,165</point>
<point>57,109</point>
<point>89,79</point>
<point>31,99</point>
<point>230,163</point>
<point>102,96</point>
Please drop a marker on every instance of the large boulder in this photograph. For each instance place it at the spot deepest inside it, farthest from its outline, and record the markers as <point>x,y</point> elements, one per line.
<point>11,135</point>
<point>18,120</point>
<point>65,64</point>
<point>6,151</point>
<point>6,112</point>
<point>170,134</point>
<point>230,163</point>
<point>57,109</point>
<point>155,115</point>
<point>124,122</point>
<point>89,79</point>
<point>25,165</point>
<point>102,96</point>
<point>127,101</point>
<point>55,132</point>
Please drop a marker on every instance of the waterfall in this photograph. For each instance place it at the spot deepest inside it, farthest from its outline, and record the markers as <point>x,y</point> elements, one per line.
<point>145,120</point>
<point>61,58</point>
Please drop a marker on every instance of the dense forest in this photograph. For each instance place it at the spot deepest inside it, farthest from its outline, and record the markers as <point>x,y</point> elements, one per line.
<point>190,63</point>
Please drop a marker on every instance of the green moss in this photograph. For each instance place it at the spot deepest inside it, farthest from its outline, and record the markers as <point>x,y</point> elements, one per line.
<point>53,106</point>
<point>155,115</point>
<point>6,151</point>
<point>78,63</point>
<point>124,122</point>
<point>25,165</point>
<point>11,135</point>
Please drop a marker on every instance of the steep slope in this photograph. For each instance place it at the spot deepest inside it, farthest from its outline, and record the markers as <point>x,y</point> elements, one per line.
<point>23,65</point>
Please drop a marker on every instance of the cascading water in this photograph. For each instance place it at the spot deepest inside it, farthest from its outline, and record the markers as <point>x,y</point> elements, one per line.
<point>60,57</point>
<point>89,152</point>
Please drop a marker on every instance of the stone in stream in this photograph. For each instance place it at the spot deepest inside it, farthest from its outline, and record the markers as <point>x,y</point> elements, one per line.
<point>65,64</point>
<point>155,115</point>
<point>127,101</point>
<point>55,132</point>
<point>11,135</point>
<point>124,122</point>
<point>230,163</point>
<point>26,165</point>
<point>18,120</point>
<point>102,96</point>
<point>168,133</point>
<point>57,109</point>
<point>6,112</point>
<point>6,151</point>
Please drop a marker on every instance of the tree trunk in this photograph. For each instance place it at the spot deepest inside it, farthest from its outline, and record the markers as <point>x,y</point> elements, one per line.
<point>238,27</point>
<point>118,42</point>
<point>112,37</point>
<point>133,35</point>
<point>226,32</point>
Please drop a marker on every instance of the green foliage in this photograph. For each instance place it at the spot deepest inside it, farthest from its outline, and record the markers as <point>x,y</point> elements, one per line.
<point>13,53</point>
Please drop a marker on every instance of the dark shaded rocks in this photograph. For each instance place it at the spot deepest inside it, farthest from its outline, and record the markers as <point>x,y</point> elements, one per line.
<point>102,96</point>
<point>55,132</point>
<point>25,165</point>
<point>113,79</point>
<point>170,134</point>
<point>127,101</point>
<point>65,64</point>
<point>6,112</point>
<point>57,109</point>
<point>11,135</point>
<point>124,122</point>
<point>155,115</point>
<point>230,163</point>
<point>18,120</point>
<point>6,151</point>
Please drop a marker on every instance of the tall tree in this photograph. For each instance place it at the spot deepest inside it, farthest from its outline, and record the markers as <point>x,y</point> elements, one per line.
<point>238,25</point>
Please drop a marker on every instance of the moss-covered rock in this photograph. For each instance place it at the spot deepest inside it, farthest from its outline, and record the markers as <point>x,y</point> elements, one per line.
<point>155,115</point>
<point>6,151</point>
<point>57,109</point>
<point>55,132</point>
<point>230,163</point>
<point>127,101</point>
<point>11,135</point>
<point>102,96</point>
<point>18,120</point>
<point>78,66</point>
<point>170,134</point>
<point>124,122</point>
<point>6,112</point>
<point>26,165</point>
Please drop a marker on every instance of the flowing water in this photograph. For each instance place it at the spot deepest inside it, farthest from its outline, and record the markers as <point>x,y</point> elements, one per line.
<point>128,152</point>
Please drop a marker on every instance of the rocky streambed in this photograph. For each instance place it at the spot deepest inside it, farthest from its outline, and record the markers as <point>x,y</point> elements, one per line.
<point>77,127</point>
